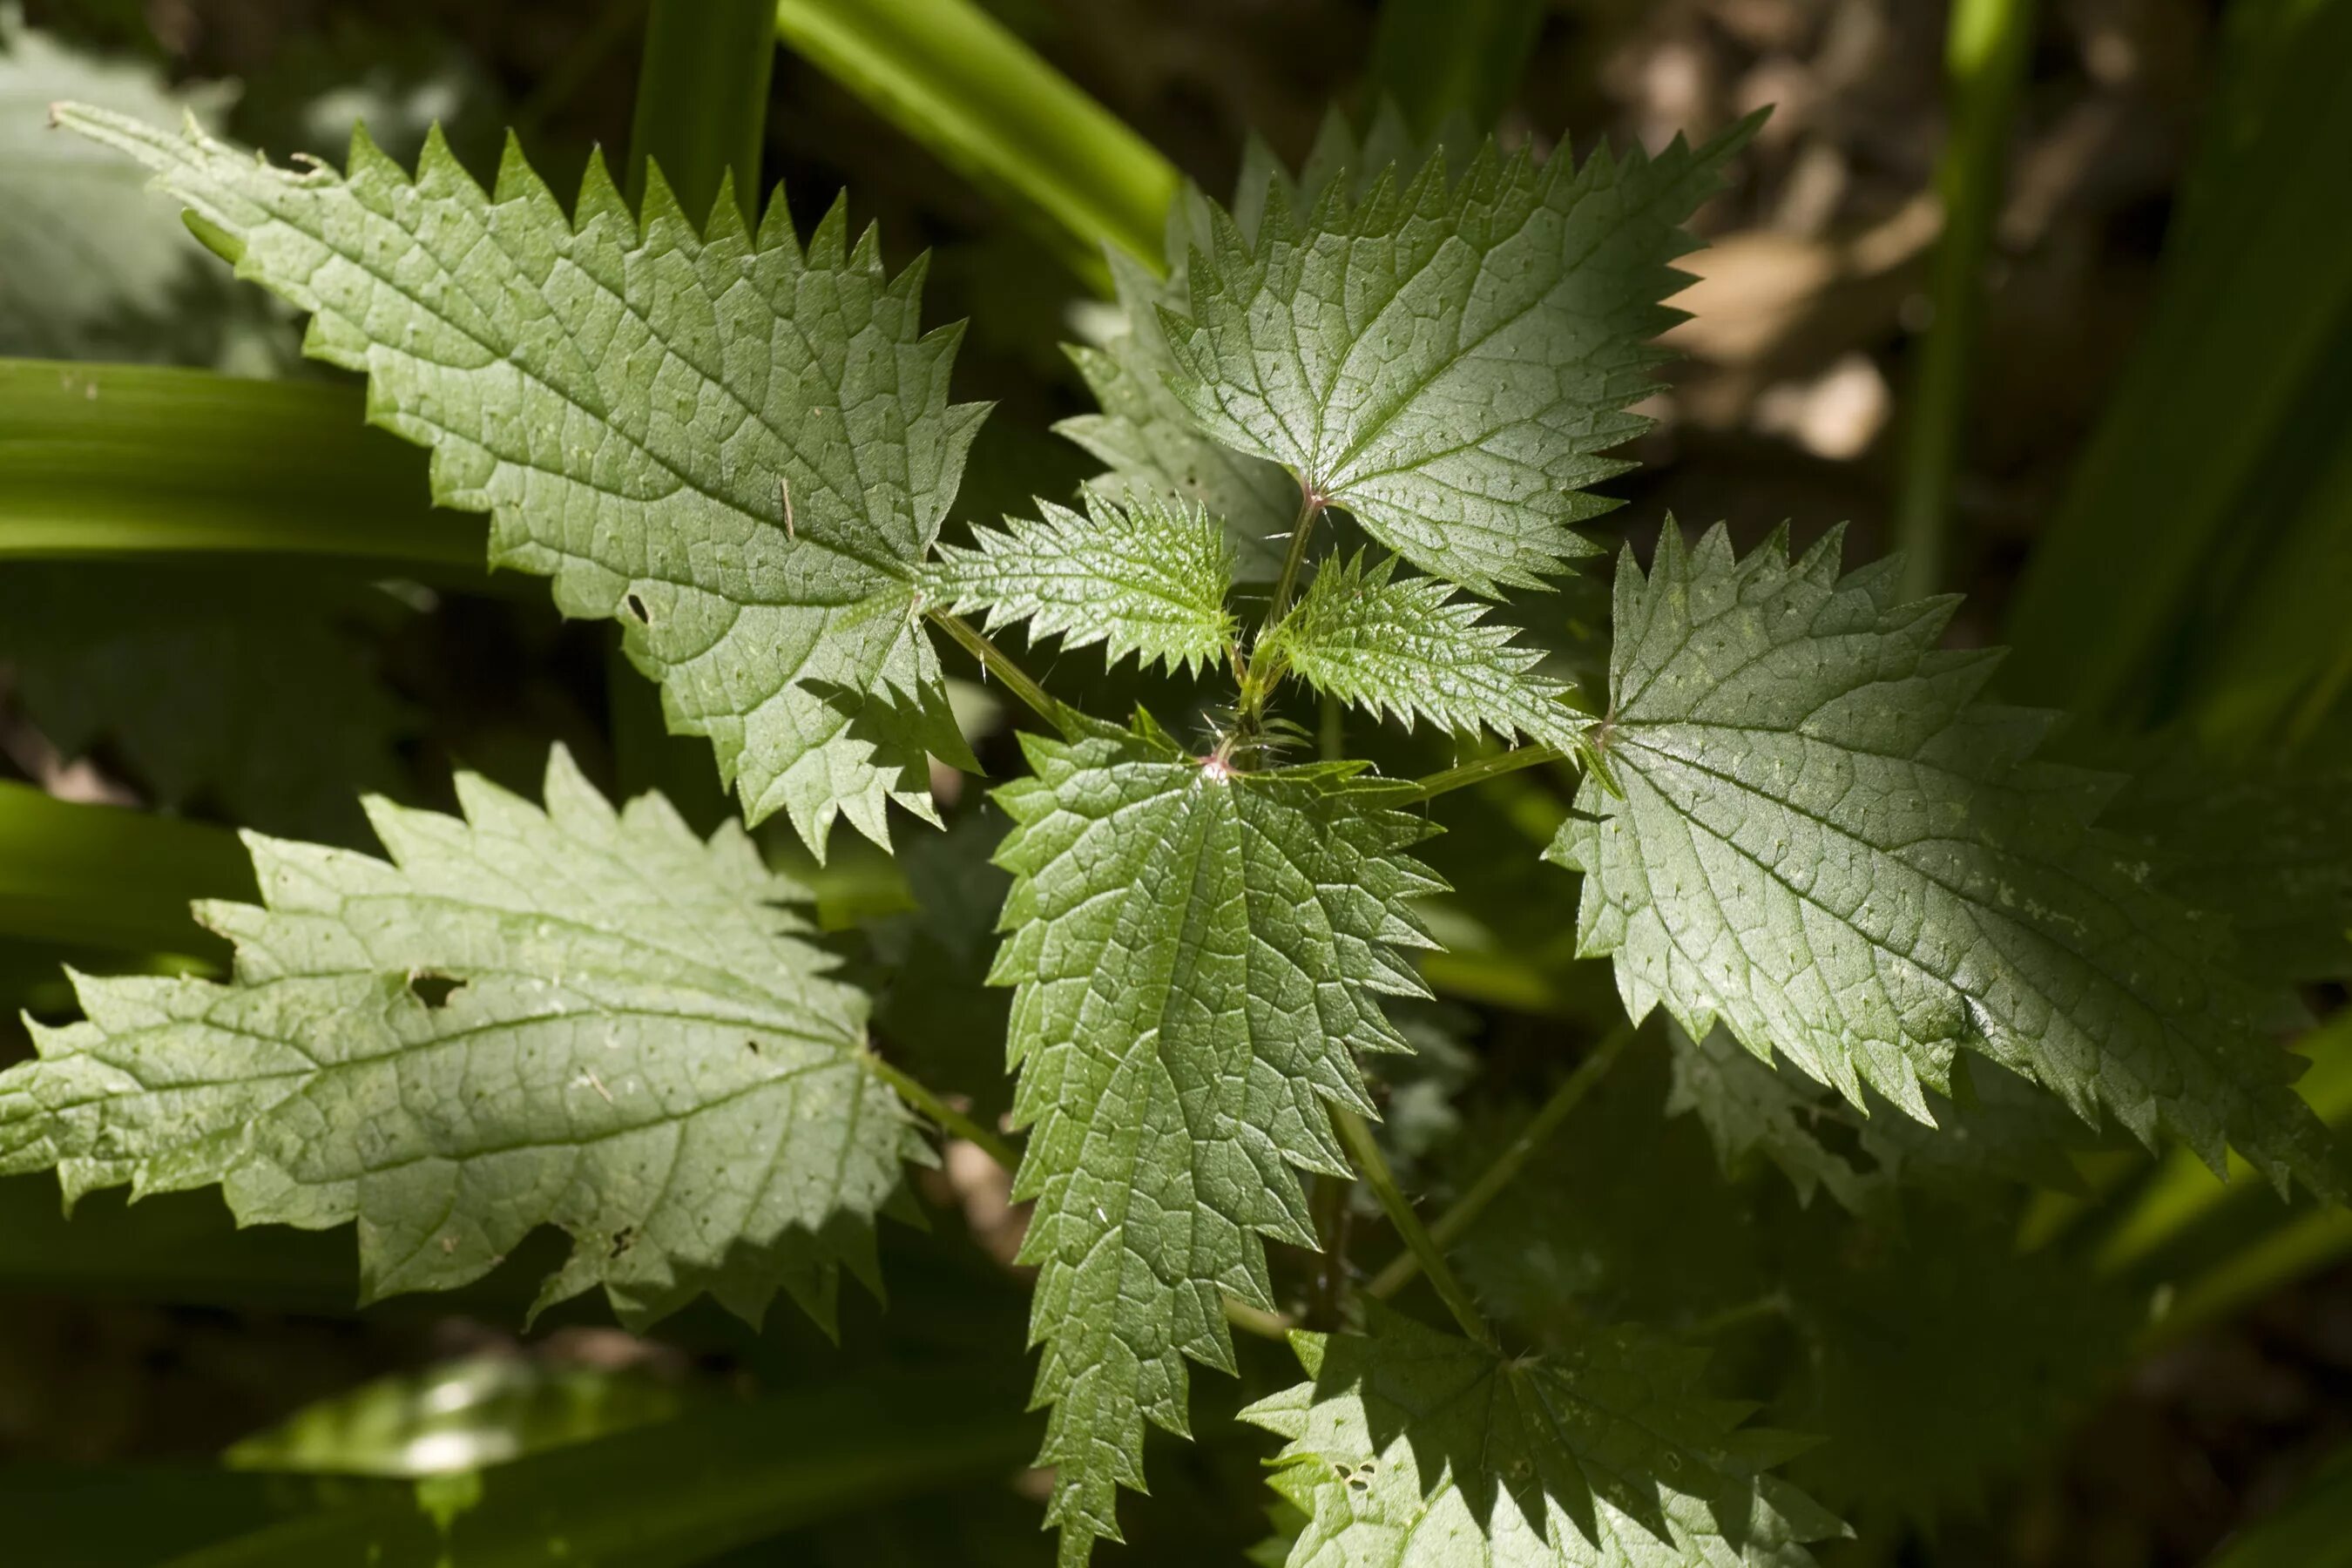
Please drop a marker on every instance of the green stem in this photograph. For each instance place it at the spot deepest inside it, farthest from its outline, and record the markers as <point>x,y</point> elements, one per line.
<point>1000,664</point>
<point>1455,1221</point>
<point>1985,57</point>
<point>1310,508</point>
<point>702,101</point>
<point>1255,1320</point>
<point>1357,1138</point>
<point>1485,768</point>
<point>958,81</point>
<point>946,1116</point>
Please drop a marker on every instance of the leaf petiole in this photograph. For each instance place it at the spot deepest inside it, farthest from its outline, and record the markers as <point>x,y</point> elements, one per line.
<point>1451,1224</point>
<point>1000,664</point>
<point>1373,1166</point>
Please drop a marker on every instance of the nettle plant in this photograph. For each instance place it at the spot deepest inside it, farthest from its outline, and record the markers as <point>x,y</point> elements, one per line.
<point>1367,402</point>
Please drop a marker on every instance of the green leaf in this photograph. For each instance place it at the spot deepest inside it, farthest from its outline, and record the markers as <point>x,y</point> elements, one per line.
<point>1405,648</point>
<point>1148,578</point>
<point>962,84</point>
<point>1937,1360</point>
<point>572,1016</point>
<point>1198,954</point>
<point>1148,440</point>
<point>202,678</point>
<point>738,449</point>
<point>1144,433</point>
<point>1819,835</point>
<point>1998,1130</point>
<point>1412,1448</point>
<point>1449,360</point>
<point>2267,848</point>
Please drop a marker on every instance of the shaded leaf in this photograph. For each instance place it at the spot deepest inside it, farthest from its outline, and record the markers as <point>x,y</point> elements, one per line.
<point>1820,836</point>
<point>572,1016</point>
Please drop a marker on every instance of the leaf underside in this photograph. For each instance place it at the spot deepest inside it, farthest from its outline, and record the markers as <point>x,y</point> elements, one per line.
<point>740,449</point>
<point>1447,358</point>
<point>570,1016</point>
<point>1821,838</point>
<point>1411,1448</point>
<point>1197,958</point>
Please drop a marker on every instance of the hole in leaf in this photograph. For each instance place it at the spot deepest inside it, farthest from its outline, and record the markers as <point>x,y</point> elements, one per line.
<point>637,608</point>
<point>433,990</point>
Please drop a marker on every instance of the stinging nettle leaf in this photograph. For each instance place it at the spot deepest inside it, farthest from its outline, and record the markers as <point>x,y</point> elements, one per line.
<point>1412,1448</point>
<point>570,1016</point>
<point>1148,440</point>
<point>1819,835</point>
<point>1198,955</point>
<point>1147,578</point>
<point>740,449</point>
<point>1407,648</point>
<point>1447,360</point>
<point>2002,1131</point>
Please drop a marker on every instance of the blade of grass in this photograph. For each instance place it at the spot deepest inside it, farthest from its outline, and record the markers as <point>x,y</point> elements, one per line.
<point>135,461</point>
<point>960,83</point>
<point>2256,292</point>
<point>106,877</point>
<point>682,1491</point>
<point>702,101</point>
<point>1985,55</point>
<point>1437,57</point>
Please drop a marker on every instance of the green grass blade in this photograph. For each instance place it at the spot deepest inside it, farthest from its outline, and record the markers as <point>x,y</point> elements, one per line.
<point>132,461</point>
<point>2256,297</point>
<point>682,1491</point>
<point>1437,57</point>
<point>2183,1191</point>
<point>1985,55</point>
<point>104,876</point>
<point>960,82</point>
<point>702,100</point>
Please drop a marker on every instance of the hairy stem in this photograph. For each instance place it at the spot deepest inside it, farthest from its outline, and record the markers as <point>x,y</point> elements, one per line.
<point>1000,664</point>
<point>1374,1168</point>
<point>1485,768</point>
<point>1310,508</point>
<point>1456,1220</point>
<point>946,1116</point>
